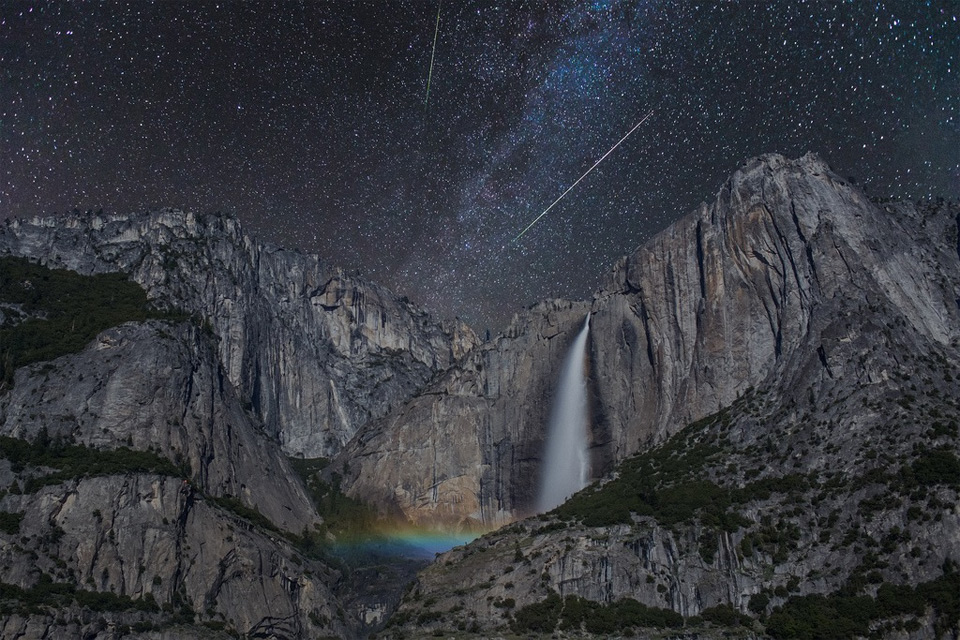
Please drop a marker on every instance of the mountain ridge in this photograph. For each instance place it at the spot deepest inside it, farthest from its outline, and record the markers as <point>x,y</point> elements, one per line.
<point>294,332</point>
<point>774,381</point>
<point>774,435</point>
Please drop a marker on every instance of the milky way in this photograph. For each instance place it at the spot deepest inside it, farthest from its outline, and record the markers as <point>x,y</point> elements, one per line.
<point>307,120</point>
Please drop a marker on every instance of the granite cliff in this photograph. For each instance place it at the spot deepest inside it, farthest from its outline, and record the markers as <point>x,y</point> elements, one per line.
<point>733,296</point>
<point>138,493</point>
<point>774,435</point>
<point>774,384</point>
<point>314,351</point>
<point>144,479</point>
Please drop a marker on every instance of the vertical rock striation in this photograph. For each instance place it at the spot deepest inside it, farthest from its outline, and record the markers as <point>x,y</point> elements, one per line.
<point>208,536</point>
<point>316,352</point>
<point>734,294</point>
<point>465,452</point>
<point>159,387</point>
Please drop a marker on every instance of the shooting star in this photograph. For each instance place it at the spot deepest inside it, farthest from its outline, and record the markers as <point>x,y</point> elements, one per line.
<point>436,32</point>
<point>537,219</point>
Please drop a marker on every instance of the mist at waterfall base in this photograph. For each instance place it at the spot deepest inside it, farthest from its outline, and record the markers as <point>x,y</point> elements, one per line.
<point>566,464</point>
<point>402,541</point>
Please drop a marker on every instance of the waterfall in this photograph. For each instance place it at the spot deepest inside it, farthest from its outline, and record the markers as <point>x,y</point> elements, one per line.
<point>566,464</point>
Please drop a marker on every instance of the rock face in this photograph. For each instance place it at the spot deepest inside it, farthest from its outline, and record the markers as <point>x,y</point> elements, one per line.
<point>314,351</point>
<point>731,297</point>
<point>737,293</point>
<point>158,386</point>
<point>160,540</point>
<point>785,361</point>
<point>141,537</point>
<point>773,385</point>
<point>464,452</point>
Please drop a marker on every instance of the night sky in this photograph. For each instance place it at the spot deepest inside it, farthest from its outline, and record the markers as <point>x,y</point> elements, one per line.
<point>308,121</point>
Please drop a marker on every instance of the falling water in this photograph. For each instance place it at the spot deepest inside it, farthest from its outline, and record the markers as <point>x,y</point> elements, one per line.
<point>566,465</point>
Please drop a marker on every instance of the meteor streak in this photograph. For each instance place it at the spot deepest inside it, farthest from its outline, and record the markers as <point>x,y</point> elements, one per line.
<point>535,220</point>
<point>436,32</point>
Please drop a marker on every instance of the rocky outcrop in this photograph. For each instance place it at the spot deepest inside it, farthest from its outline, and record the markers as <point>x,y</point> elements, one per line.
<point>731,297</point>
<point>206,541</point>
<point>314,351</point>
<point>144,538</point>
<point>777,373</point>
<point>841,481</point>
<point>739,292</point>
<point>159,387</point>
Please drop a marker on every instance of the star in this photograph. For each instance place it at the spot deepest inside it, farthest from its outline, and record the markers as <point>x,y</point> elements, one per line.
<point>307,121</point>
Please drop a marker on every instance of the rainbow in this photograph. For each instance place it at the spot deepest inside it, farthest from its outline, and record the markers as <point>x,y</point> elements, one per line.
<point>403,540</point>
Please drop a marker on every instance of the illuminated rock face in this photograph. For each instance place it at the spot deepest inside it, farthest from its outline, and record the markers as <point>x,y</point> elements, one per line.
<point>825,325</point>
<point>772,283</point>
<point>315,352</point>
<point>158,386</point>
<point>784,361</point>
<point>180,536</point>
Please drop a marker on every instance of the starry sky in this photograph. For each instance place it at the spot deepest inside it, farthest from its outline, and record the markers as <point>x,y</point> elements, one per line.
<point>310,121</point>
